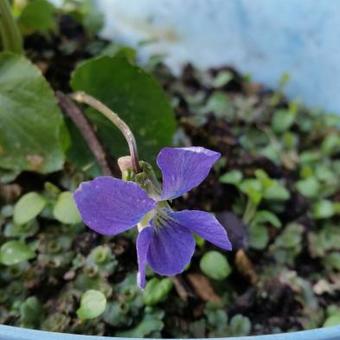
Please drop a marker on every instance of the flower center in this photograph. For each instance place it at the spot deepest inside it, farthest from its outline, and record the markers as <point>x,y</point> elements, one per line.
<point>159,216</point>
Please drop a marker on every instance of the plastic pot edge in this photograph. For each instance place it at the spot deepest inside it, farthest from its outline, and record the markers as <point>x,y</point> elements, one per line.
<point>17,333</point>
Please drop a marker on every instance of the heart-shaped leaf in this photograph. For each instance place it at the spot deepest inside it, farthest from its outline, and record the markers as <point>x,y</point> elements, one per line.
<point>32,131</point>
<point>135,96</point>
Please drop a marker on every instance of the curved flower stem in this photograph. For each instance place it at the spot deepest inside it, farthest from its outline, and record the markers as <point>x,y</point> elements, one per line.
<point>82,97</point>
<point>10,35</point>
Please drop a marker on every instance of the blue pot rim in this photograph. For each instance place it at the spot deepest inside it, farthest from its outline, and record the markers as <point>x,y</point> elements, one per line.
<point>17,333</point>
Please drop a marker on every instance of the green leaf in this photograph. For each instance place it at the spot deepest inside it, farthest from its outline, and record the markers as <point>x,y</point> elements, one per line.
<point>336,207</point>
<point>147,326</point>
<point>328,238</point>
<point>282,120</point>
<point>156,291</point>
<point>215,317</point>
<point>56,322</point>
<point>333,320</point>
<point>232,177</point>
<point>240,325</point>
<point>219,104</point>
<point>114,49</point>
<point>289,244</point>
<point>31,312</point>
<point>101,257</point>
<point>92,304</point>
<point>333,261</point>
<point>116,313</point>
<point>222,79</point>
<point>265,216</point>
<point>276,192</point>
<point>92,17</point>
<point>290,140</point>
<point>263,177</point>
<point>100,254</point>
<point>272,189</point>
<point>7,176</point>
<point>258,236</point>
<point>215,265</point>
<point>310,156</point>
<point>14,252</point>
<point>325,173</point>
<point>38,15</point>
<point>65,210</point>
<point>28,207</point>
<point>253,189</point>
<point>272,152</point>
<point>291,236</point>
<point>308,187</point>
<point>199,240</point>
<point>32,131</point>
<point>323,209</point>
<point>135,96</point>
<point>10,36</point>
<point>21,230</point>
<point>331,144</point>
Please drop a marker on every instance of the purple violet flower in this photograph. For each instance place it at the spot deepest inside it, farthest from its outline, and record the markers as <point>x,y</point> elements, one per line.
<point>165,242</point>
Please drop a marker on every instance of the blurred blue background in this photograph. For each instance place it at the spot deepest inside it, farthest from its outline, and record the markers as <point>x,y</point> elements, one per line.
<point>264,38</point>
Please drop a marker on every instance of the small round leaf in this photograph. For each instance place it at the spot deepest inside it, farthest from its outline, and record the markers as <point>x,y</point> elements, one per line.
<point>323,209</point>
<point>258,237</point>
<point>65,210</point>
<point>28,207</point>
<point>215,265</point>
<point>240,325</point>
<point>309,187</point>
<point>282,120</point>
<point>14,252</point>
<point>92,304</point>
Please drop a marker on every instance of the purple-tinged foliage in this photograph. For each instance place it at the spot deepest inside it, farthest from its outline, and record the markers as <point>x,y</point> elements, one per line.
<point>165,242</point>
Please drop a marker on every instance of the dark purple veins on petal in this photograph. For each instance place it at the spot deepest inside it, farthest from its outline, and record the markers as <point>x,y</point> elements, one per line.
<point>110,206</point>
<point>170,249</point>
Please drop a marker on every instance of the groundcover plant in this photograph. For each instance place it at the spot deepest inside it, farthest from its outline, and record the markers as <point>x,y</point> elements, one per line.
<point>239,168</point>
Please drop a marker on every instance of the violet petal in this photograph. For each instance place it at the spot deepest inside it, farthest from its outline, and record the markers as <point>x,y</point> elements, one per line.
<point>184,168</point>
<point>170,249</point>
<point>110,206</point>
<point>204,225</point>
<point>142,244</point>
